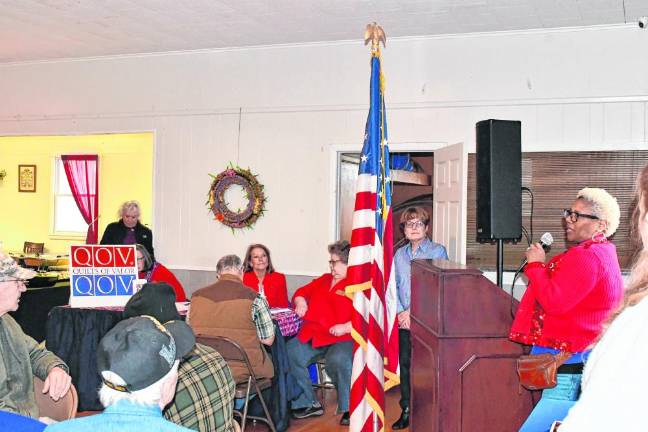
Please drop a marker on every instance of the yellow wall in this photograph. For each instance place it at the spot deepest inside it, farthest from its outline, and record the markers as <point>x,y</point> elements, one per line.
<point>125,173</point>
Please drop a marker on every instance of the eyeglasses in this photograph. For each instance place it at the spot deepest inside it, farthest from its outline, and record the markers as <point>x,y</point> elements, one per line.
<point>333,262</point>
<point>414,224</point>
<point>573,215</point>
<point>24,281</point>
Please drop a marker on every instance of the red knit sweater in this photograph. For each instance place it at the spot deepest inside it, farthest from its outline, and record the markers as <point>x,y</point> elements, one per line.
<point>274,287</point>
<point>569,298</point>
<point>160,273</point>
<point>327,305</point>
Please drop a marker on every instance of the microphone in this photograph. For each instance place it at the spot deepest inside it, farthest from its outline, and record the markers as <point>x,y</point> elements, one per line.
<point>545,241</point>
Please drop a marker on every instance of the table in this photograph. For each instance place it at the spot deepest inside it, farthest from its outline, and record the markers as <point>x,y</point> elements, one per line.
<point>40,260</point>
<point>35,304</point>
<point>73,334</point>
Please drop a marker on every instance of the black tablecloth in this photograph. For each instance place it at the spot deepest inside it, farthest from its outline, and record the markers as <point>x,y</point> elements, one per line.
<point>35,304</point>
<point>73,335</point>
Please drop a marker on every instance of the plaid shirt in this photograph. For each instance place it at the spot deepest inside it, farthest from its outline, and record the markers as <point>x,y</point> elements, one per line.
<point>204,398</point>
<point>262,318</point>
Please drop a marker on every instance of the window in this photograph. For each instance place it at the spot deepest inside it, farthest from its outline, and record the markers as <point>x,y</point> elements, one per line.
<point>67,217</point>
<point>555,178</point>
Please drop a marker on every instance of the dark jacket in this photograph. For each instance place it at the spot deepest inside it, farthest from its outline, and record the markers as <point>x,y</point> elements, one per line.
<point>116,232</point>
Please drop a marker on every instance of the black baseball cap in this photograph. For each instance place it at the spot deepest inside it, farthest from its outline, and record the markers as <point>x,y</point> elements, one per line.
<point>155,299</point>
<point>142,351</point>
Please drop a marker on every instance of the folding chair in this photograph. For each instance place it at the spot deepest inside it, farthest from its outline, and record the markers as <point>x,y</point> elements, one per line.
<point>324,382</point>
<point>33,248</point>
<point>232,352</point>
<point>63,409</point>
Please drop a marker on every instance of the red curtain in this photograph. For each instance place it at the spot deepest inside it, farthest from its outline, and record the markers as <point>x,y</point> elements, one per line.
<point>82,172</point>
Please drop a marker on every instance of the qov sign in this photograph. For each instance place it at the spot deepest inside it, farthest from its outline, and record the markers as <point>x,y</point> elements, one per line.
<point>101,275</point>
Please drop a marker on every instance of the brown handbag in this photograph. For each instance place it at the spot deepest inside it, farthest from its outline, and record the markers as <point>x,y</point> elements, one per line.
<point>538,372</point>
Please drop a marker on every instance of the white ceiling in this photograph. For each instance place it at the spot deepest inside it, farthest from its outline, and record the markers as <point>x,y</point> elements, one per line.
<point>54,29</point>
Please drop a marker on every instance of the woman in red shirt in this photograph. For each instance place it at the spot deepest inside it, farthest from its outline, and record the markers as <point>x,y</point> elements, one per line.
<point>153,271</point>
<point>325,333</point>
<point>569,298</point>
<point>261,276</point>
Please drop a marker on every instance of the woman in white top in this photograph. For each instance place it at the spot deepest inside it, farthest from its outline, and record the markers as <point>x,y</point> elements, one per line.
<point>615,378</point>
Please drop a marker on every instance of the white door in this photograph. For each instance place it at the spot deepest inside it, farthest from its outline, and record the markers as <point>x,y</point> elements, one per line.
<point>449,218</point>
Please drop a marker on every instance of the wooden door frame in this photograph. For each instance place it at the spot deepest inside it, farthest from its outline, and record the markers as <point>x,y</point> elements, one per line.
<point>336,150</point>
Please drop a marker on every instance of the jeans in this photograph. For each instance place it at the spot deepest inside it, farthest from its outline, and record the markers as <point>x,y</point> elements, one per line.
<point>339,361</point>
<point>554,404</point>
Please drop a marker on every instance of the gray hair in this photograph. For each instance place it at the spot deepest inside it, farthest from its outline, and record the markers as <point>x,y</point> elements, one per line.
<point>340,248</point>
<point>147,396</point>
<point>128,206</point>
<point>229,263</point>
<point>148,260</point>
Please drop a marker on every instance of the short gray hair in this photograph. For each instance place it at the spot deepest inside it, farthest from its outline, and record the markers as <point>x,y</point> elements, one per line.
<point>340,248</point>
<point>229,262</point>
<point>127,206</point>
<point>146,396</point>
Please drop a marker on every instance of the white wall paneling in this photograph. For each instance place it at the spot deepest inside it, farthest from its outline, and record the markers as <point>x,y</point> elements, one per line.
<point>298,102</point>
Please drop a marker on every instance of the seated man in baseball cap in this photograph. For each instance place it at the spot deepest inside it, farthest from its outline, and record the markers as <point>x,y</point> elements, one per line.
<point>204,397</point>
<point>138,362</point>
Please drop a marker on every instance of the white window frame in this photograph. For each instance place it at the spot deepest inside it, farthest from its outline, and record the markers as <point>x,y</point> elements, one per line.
<point>63,235</point>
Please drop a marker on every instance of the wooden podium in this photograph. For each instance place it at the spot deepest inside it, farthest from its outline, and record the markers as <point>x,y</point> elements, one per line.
<point>463,365</point>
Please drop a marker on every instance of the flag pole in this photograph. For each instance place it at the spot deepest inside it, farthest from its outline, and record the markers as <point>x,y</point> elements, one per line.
<point>371,281</point>
<point>376,34</point>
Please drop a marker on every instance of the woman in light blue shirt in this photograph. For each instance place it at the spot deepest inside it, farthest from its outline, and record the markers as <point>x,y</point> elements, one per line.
<point>414,224</point>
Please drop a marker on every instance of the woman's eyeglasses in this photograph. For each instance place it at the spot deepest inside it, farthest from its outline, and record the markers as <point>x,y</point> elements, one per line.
<point>414,224</point>
<point>573,215</point>
<point>333,262</point>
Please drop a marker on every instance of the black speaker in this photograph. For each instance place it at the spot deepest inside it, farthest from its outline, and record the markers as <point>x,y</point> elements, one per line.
<point>499,180</point>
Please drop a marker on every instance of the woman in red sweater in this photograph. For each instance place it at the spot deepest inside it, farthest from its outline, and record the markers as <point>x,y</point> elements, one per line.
<point>569,298</point>
<point>261,276</point>
<point>325,333</point>
<point>153,271</point>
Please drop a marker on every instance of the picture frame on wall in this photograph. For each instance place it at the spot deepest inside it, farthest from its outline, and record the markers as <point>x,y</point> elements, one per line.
<point>26,178</point>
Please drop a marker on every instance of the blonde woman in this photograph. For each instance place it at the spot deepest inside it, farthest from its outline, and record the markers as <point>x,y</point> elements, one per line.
<point>615,378</point>
<point>128,229</point>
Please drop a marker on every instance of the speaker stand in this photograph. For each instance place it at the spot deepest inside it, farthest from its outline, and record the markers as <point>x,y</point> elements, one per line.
<point>500,262</point>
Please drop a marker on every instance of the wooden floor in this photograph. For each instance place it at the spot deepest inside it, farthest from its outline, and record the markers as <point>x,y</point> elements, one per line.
<point>330,421</point>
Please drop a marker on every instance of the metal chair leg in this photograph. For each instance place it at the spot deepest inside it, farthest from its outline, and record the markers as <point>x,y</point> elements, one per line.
<point>265,408</point>
<point>246,404</point>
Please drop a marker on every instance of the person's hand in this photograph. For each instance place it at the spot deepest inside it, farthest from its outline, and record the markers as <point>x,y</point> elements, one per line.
<point>57,383</point>
<point>340,329</point>
<point>404,319</point>
<point>535,253</point>
<point>301,306</point>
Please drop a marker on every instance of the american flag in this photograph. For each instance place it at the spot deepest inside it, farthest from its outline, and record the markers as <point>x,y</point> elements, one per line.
<point>371,280</point>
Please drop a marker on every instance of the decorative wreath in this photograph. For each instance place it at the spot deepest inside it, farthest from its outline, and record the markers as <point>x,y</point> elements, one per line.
<point>235,175</point>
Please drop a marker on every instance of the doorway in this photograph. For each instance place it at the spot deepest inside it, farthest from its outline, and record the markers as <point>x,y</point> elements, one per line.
<point>419,176</point>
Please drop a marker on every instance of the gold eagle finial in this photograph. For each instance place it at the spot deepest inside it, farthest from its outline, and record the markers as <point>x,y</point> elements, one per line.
<point>375,34</point>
